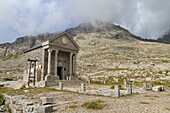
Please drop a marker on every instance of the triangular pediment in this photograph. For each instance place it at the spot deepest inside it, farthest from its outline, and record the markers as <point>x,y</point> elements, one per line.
<point>64,40</point>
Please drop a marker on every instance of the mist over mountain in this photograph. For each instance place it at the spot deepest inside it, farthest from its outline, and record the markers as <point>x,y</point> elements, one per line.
<point>165,38</point>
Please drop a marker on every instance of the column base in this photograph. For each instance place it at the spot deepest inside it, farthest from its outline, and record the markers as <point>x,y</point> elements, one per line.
<point>69,77</point>
<point>49,78</point>
<point>56,77</point>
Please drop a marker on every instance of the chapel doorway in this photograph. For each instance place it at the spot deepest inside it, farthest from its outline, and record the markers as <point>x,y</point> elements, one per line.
<point>59,73</point>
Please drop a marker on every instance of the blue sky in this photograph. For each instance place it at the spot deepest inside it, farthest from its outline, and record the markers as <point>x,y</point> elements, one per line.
<point>149,19</point>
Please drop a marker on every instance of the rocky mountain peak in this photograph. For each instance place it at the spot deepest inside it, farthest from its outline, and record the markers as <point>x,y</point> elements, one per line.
<point>165,38</point>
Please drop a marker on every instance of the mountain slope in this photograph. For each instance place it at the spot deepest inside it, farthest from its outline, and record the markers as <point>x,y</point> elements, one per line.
<point>114,31</point>
<point>22,44</point>
<point>106,30</point>
<point>165,38</point>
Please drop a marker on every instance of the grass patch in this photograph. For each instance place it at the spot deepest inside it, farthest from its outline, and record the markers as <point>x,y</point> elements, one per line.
<point>31,91</point>
<point>80,38</point>
<point>151,96</point>
<point>97,82</point>
<point>121,88</point>
<point>167,109</point>
<point>165,61</point>
<point>1,99</point>
<point>144,102</point>
<point>116,69</point>
<point>147,96</point>
<point>72,106</point>
<point>138,84</point>
<point>95,105</point>
<point>165,83</point>
<point>8,79</point>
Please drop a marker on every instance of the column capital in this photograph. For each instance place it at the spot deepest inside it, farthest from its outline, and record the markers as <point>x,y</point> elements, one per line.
<point>71,53</point>
<point>56,50</point>
<point>50,50</point>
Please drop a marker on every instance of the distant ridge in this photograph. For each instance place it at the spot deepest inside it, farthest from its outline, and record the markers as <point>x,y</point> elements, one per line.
<point>114,31</point>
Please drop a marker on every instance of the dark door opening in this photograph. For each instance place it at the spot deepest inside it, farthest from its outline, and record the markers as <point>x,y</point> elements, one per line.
<point>59,73</point>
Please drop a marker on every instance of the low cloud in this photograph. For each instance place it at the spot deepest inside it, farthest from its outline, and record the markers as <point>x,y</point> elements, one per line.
<point>149,19</point>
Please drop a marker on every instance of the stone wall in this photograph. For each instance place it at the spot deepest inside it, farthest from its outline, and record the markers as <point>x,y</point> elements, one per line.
<point>34,54</point>
<point>23,104</point>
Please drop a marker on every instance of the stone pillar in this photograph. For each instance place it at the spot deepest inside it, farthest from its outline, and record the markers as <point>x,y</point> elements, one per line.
<point>105,82</point>
<point>125,83</point>
<point>129,88</point>
<point>117,90</point>
<point>75,64</point>
<point>43,65</point>
<point>150,85</point>
<point>61,85</point>
<point>56,58</point>
<point>71,65</point>
<point>83,87</point>
<point>49,61</point>
<point>145,86</point>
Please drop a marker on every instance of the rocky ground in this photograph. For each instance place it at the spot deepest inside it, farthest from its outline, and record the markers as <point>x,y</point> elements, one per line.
<point>106,58</point>
<point>150,102</point>
<point>73,102</point>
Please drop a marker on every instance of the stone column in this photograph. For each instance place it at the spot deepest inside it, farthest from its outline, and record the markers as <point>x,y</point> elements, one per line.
<point>117,90</point>
<point>83,87</point>
<point>75,64</point>
<point>150,85</point>
<point>144,86</point>
<point>49,61</point>
<point>56,58</point>
<point>129,89</point>
<point>105,82</point>
<point>61,85</point>
<point>71,65</point>
<point>125,83</point>
<point>43,65</point>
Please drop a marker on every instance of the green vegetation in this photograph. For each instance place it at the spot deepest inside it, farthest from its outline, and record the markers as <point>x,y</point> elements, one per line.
<point>97,82</point>
<point>2,99</point>
<point>80,38</point>
<point>165,61</point>
<point>8,79</point>
<point>152,96</point>
<point>72,106</point>
<point>144,102</point>
<point>116,84</point>
<point>136,62</point>
<point>31,91</point>
<point>165,83</point>
<point>167,109</point>
<point>147,96</point>
<point>138,84</point>
<point>95,105</point>
<point>116,69</point>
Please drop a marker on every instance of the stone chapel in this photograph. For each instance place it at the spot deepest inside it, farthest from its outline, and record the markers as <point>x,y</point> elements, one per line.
<point>54,59</point>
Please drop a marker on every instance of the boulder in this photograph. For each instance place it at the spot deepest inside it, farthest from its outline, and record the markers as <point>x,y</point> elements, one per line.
<point>45,109</point>
<point>19,86</point>
<point>46,100</point>
<point>158,88</point>
<point>2,84</point>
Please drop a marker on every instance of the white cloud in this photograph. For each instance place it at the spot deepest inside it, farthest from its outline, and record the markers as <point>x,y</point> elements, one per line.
<point>29,17</point>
